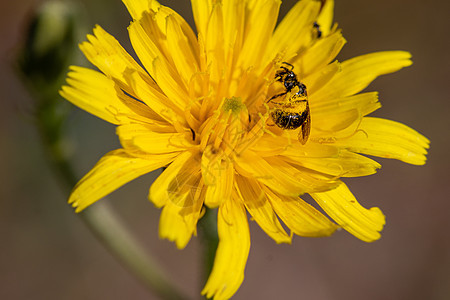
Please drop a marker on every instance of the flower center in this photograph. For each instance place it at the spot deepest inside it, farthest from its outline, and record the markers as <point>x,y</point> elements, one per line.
<point>224,130</point>
<point>233,105</point>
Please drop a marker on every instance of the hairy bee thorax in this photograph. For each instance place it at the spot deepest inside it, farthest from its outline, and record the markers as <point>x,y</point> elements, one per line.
<point>291,111</point>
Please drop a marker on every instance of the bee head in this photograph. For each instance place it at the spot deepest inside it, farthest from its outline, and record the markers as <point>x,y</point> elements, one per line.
<point>301,89</point>
<point>290,80</point>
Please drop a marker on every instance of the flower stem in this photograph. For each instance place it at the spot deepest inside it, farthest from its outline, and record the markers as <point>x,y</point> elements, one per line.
<point>102,221</point>
<point>105,225</point>
<point>208,227</point>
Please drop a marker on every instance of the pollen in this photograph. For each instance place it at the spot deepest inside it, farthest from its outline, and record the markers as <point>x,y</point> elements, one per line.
<point>234,105</point>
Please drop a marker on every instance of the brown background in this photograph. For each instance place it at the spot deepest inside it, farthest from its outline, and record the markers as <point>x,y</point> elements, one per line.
<point>47,253</point>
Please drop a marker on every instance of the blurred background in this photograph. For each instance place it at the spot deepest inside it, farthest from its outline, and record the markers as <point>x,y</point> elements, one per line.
<point>46,252</point>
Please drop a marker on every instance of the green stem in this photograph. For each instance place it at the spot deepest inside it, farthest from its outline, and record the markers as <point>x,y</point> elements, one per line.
<point>210,240</point>
<point>106,226</point>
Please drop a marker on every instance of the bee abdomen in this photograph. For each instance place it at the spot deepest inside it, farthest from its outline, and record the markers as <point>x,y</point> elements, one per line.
<point>287,119</point>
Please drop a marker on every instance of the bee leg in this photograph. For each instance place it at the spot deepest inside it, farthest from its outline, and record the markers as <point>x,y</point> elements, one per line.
<point>278,103</point>
<point>290,65</point>
<point>276,96</point>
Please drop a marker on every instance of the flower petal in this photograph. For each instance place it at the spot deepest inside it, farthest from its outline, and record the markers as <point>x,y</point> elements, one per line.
<point>345,164</point>
<point>234,22</point>
<point>341,206</point>
<point>325,19</point>
<point>321,53</point>
<point>180,179</point>
<point>320,78</point>
<point>95,93</point>
<point>147,139</point>
<point>388,139</point>
<point>364,103</point>
<point>312,150</point>
<point>258,30</point>
<point>260,208</point>
<point>137,7</point>
<point>295,30</point>
<point>178,223</point>
<point>154,99</point>
<point>231,255</point>
<point>186,60</point>
<point>357,73</point>
<point>156,63</point>
<point>281,176</point>
<point>106,53</point>
<point>201,10</point>
<point>335,124</point>
<point>300,217</point>
<point>251,165</point>
<point>218,176</point>
<point>113,170</point>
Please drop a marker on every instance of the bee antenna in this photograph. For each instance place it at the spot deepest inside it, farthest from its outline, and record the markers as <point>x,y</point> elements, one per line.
<point>286,63</point>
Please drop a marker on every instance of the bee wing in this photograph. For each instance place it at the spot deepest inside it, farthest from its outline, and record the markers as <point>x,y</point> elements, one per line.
<point>305,129</point>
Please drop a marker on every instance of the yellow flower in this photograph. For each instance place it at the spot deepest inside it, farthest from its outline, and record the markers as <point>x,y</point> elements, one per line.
<point>200,107</point>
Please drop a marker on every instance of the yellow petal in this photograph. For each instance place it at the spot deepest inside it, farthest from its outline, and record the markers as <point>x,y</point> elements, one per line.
<point>228,23</point>
<point>364,103</point>
<point>311,150</point>
<point>113,170</point>
<point>388,139</point>
<point>321,53</point>
<point>218,176</point>
<point>154,99</point>
<point>288,145</point>
<point>325,19</point>
<point>258,31</point>
<point>95,93</point>
<point>143,137</point>
<point>342,123</point>
<point>232,252</point>
<point>177,223</point>
<point>143,113</point>
<point>137,7</point>
<point>201,10</point>
<point>280,176</point>
<point>169,33</point>
<point>345,164</point>
<point>260,208</point>
<point>183,49</point>
<point>357,73</point>
<point>341,206</point>
<point>339,118</point>
<point>179,180</point>
<point>156,63</point>
<point>250,165</point>
<point>234,21</point>
<point>300,217</point>
<point>106,53</point>
<point>295,30</point>
<point>320,78</point>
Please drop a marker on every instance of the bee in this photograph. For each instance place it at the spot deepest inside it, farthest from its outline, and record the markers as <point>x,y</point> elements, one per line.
<point>293,111</point>
<point>316,29</point>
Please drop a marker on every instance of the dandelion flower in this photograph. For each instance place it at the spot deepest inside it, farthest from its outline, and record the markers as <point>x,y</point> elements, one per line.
<point>197,105</point>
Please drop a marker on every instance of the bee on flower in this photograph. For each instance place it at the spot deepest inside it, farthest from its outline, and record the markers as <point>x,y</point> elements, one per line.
<point>293,111</point>
<point>203,107</point>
